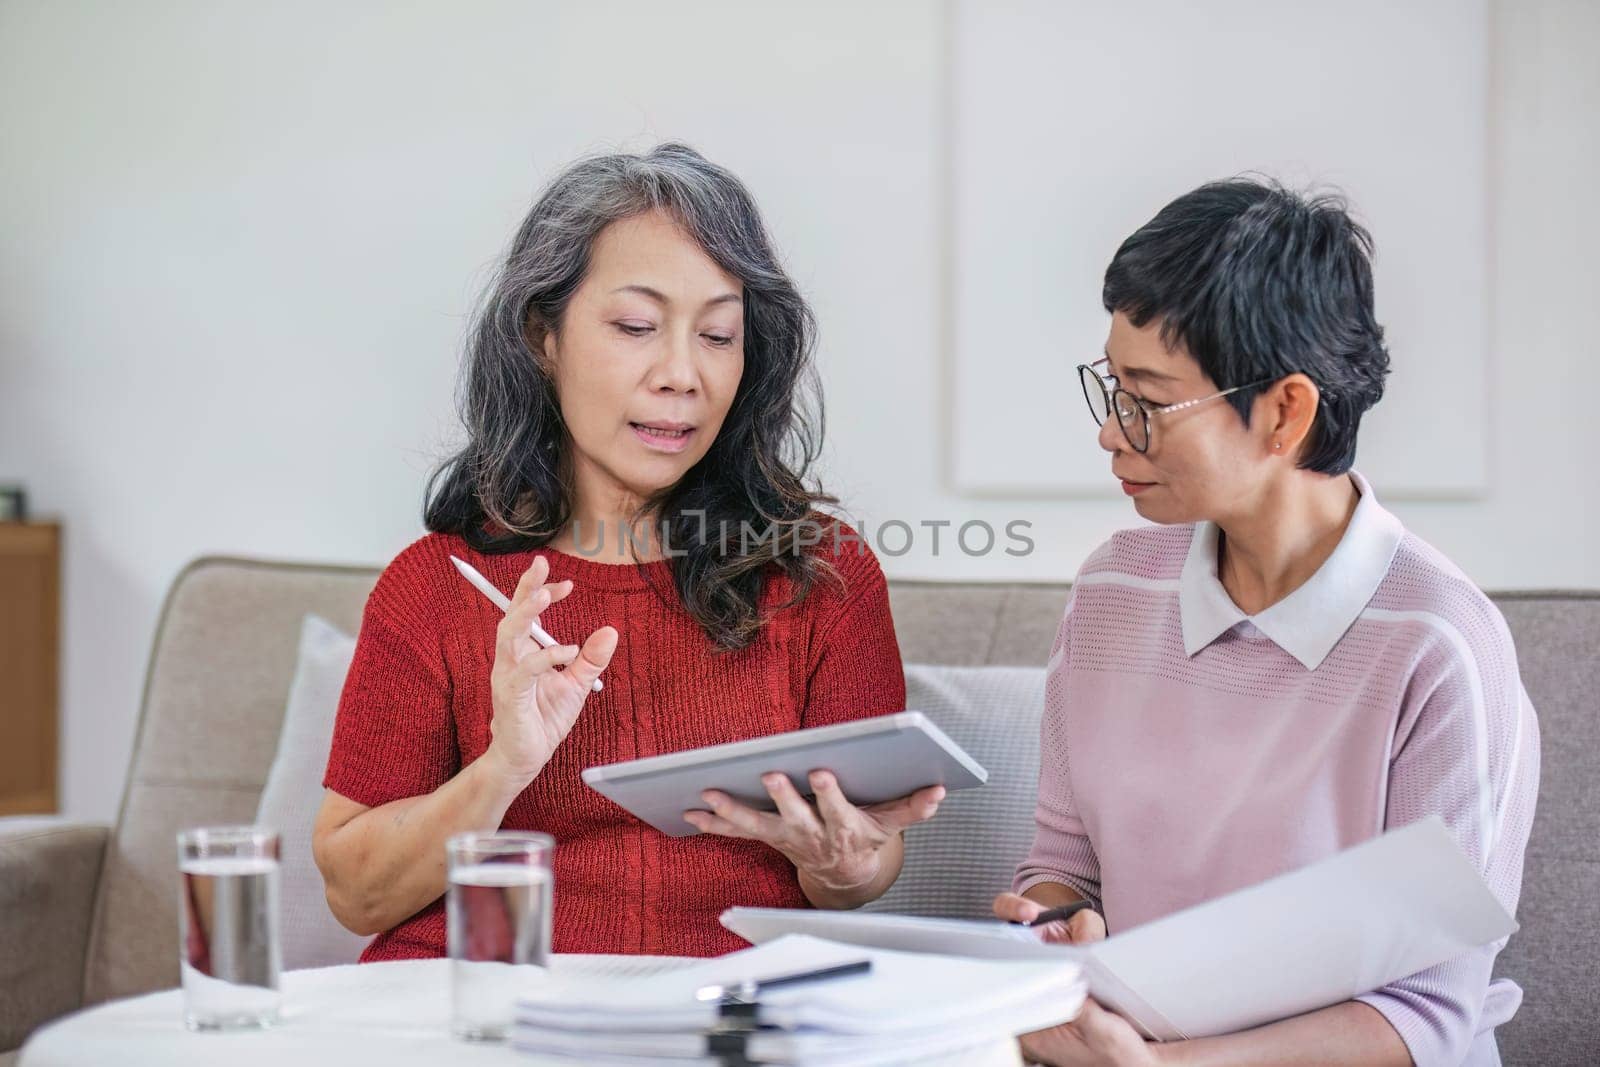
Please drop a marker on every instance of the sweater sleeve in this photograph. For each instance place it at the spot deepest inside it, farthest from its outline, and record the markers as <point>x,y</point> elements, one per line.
<point>393,736</point>
<point>1467,750</point>
<point>854,670</point>
<point>1062,852</point>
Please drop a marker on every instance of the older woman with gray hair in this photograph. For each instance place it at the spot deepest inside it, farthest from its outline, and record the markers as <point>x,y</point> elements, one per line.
<point>635,475</point>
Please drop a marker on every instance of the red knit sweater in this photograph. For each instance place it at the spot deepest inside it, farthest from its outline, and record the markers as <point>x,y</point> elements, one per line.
<point>416,709</point>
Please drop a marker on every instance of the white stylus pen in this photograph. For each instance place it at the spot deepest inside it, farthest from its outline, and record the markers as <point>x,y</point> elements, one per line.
<point>503,602</point>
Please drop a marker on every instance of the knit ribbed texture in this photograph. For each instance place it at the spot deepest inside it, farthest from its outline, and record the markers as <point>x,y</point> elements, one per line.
<point>1167,780</point>
<point>416,708</point>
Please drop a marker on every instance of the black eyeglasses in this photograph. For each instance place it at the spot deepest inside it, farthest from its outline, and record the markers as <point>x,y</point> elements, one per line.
<point>1134,413</point>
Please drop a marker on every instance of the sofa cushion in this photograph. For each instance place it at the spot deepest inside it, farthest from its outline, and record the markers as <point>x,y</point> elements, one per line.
<point>311,936</point>
<point>958,861</point>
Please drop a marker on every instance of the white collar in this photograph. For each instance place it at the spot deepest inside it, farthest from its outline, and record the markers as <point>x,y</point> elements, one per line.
<point>1309,621</point>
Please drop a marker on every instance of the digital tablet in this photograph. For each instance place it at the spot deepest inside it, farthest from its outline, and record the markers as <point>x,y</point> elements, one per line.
<point>874,760</point>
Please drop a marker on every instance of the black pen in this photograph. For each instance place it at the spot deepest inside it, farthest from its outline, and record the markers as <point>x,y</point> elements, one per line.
<point>1061,914</point>
<point>743,991</point>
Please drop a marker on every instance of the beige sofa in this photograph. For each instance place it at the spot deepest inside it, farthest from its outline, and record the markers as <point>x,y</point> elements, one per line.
<point>88,914</point>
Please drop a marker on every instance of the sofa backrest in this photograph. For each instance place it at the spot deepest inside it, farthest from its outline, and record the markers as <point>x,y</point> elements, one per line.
<point>224,654</point>
<point>215,691</point>
<point>1553,956</point>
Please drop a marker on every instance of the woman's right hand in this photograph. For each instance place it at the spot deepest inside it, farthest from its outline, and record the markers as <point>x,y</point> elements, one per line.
<point>1086,925</point>
<point>535,704</point>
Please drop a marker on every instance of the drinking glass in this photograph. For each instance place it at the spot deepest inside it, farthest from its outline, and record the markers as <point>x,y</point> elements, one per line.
<point>497,908</point>
<point>228,927</point>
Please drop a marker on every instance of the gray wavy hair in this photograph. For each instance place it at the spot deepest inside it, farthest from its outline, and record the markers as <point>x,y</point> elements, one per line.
<point>506,489</point>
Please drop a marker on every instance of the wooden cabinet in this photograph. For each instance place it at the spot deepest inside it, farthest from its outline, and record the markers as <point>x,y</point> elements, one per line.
<point>30,628</point>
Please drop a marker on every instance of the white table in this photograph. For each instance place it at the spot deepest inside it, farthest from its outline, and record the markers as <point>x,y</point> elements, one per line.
<point>397,1014</point>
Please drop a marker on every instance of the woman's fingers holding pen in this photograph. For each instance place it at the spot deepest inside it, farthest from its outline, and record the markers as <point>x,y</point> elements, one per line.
<point>519,736</point>
<point>1083,926</point>
<point>580,667</point>
<point>512,635</point>
<point>559,590</point>
<point>1016,908</point>
<point>594,657</point>
<point>1086,925</point>
<point>531,579</point>
<point>538,662</point>
<point>512,681</point>
<point>522,617</point>
<point>535,578</point>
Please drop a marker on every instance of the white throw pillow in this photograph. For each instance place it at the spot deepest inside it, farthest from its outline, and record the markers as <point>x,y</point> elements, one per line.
<point>968,852</point>
<point>312,937</point>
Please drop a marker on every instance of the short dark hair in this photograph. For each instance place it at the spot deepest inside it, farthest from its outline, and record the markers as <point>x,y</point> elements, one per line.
<point>1259,282</point>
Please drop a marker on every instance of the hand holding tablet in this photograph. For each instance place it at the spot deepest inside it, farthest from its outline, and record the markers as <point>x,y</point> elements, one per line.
<point>843,853</point>
<point>873,761</point>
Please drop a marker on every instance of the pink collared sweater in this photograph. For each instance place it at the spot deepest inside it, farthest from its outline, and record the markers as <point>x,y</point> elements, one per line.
<point>1167,780</point>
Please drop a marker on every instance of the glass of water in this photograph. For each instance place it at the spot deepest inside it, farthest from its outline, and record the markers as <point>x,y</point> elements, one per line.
<point>228,927</point>
<point>498,917</point>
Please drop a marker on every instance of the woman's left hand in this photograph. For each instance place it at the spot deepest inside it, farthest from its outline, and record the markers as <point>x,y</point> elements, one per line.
<point>1096,1038</point>
<point>830,840</point>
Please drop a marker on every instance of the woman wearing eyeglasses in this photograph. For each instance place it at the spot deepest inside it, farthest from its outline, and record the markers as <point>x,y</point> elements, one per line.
<point>1277,670</point>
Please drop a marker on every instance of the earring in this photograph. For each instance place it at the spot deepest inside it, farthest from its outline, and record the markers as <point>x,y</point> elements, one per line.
<point>1277,445</point>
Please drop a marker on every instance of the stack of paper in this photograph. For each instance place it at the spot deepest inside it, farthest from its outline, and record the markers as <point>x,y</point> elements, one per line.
<point>907,1008</point>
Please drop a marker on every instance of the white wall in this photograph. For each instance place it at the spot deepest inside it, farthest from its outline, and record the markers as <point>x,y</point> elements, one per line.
<point>1387,103</point>
<point>238,245</point>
